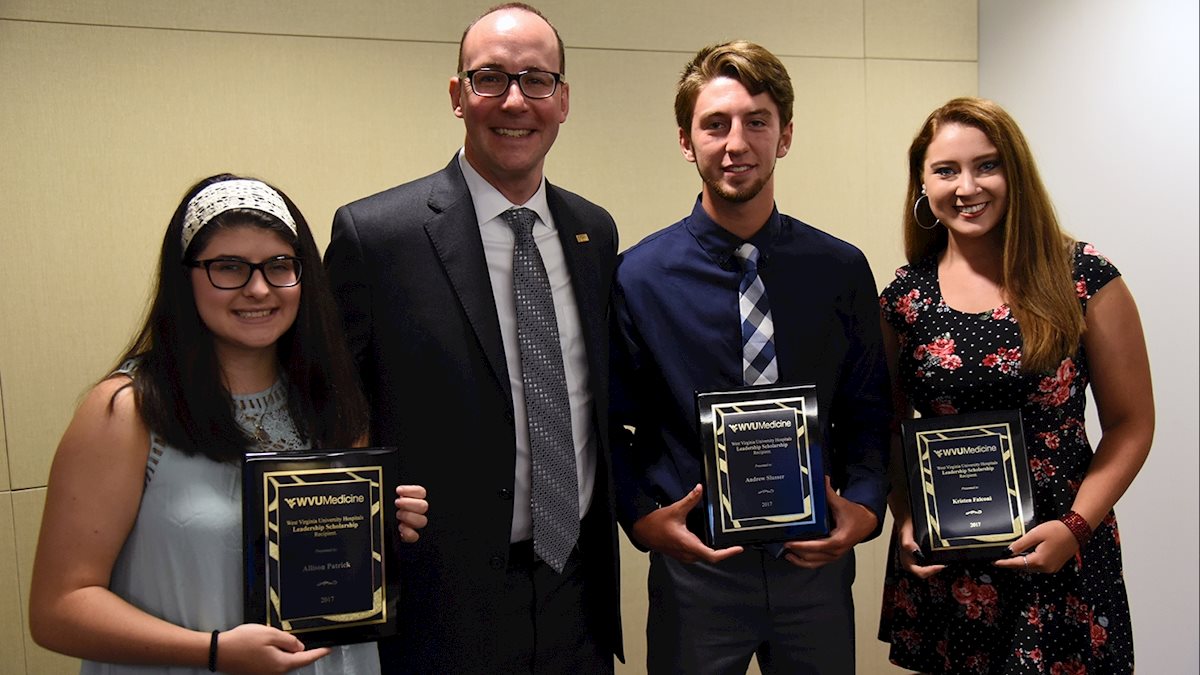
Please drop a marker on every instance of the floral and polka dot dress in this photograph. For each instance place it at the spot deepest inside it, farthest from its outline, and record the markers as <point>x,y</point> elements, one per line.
<point>974,617</point>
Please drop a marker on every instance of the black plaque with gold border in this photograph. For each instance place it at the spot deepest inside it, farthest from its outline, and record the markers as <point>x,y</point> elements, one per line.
<point>968,484</point>
<point>763,465</point>
<point>319,530</point>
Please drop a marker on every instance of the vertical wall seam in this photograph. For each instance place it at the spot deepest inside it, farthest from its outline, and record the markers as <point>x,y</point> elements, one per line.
<point>4,426</point>
<point>22,609</point>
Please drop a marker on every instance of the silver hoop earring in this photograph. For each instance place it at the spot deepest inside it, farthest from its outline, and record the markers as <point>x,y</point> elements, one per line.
<point>916,205</point>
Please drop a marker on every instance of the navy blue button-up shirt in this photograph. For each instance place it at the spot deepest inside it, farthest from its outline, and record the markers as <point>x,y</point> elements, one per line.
<point>677,330</point>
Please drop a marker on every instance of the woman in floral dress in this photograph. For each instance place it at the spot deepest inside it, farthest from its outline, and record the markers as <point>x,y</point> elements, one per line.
<point>999,309</point>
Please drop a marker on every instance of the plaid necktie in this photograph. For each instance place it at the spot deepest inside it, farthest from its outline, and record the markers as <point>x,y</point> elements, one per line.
<point>758,331</point>
<point>555,488</point>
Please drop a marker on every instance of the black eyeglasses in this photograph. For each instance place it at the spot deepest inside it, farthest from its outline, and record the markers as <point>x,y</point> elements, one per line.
<point>491,83</point>
<point>282,271</point>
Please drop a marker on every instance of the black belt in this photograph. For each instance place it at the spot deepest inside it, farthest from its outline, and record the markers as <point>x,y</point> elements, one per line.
<point>520,554</point>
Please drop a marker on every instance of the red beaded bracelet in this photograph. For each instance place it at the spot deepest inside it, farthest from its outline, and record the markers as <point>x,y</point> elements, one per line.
<point>1078,525</point>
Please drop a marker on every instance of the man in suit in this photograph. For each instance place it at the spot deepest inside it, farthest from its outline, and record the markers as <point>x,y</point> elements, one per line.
<point>429,277</point>
<point>738,294</point>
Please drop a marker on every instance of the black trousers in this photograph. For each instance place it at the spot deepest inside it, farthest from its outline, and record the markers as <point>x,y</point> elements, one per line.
<point>549,621</point>
<point>711,619</point>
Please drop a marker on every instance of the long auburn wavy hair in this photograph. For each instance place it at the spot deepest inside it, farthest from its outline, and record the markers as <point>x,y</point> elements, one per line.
<point>1037,257</point>
<point>177,384</point>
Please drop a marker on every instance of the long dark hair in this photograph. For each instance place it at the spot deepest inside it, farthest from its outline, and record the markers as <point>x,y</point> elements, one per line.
<point>179,390</point>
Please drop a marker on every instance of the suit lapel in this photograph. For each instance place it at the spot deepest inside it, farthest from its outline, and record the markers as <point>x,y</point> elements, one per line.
<point>582,257</point>
<point>454,234</point>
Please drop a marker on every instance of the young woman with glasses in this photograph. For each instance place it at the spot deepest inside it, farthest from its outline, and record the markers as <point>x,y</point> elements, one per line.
<point>139,562</point>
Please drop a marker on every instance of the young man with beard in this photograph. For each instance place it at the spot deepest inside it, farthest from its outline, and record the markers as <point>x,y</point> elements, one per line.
<point>474,301</point>
<point>679,331</point>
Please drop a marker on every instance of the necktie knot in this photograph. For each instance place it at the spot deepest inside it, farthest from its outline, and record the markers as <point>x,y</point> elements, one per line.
<point>521,220</point>
<point>748,254</point>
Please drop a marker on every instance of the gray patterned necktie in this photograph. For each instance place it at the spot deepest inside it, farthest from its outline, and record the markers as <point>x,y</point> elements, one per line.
<point>555,488</point>
<point>759,365</point>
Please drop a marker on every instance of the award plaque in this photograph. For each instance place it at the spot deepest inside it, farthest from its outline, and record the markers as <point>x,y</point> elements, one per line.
<point>764,476</point>
<point>319,529</point>
<point>968,484</point>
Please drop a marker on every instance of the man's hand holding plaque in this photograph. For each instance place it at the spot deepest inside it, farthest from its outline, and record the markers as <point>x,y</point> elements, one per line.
<point>852,522</point>
<point>665,530</point>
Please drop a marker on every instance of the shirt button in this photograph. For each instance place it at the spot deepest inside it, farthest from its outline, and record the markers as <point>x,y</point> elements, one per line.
<point>506,494</point>
<point>496,563</point>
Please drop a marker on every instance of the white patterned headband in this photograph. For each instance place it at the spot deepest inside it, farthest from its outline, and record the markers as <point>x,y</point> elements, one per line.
<point>228,195</point>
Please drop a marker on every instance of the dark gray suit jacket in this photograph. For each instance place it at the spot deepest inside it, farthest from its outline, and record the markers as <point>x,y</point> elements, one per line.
<point>410,277</point>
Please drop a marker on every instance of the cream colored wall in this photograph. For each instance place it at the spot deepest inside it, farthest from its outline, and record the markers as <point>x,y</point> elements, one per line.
<point>112,109</point>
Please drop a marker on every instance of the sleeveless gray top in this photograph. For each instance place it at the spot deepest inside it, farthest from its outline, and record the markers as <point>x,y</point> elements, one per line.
<point>182,561</point>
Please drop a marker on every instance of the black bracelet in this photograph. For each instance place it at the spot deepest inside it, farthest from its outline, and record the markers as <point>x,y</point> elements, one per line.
<point>212,652</point>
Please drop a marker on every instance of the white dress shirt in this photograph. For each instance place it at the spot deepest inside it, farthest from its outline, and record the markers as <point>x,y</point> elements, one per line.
<point>498,240</point>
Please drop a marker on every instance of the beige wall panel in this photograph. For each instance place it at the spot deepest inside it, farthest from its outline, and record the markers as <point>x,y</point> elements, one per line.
<point>56,304</point>
<point>12,609</point>
<point>922,29</point>
<point>791,27</point>
<point>620,146</point>
<point>635,603</point>
<point>795,27</point>
<point>27,512</point>
<point>871,561</point>
<point>900,94</point>
<point>112,125</point>
<point>428,20</point>
<point>821,179</point>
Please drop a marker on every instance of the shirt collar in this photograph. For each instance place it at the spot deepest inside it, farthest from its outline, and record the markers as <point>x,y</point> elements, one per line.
<point>488,201</point>
<point>720,244</point>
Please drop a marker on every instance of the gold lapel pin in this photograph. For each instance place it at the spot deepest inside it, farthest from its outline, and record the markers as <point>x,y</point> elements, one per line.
<point>581,238</point>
